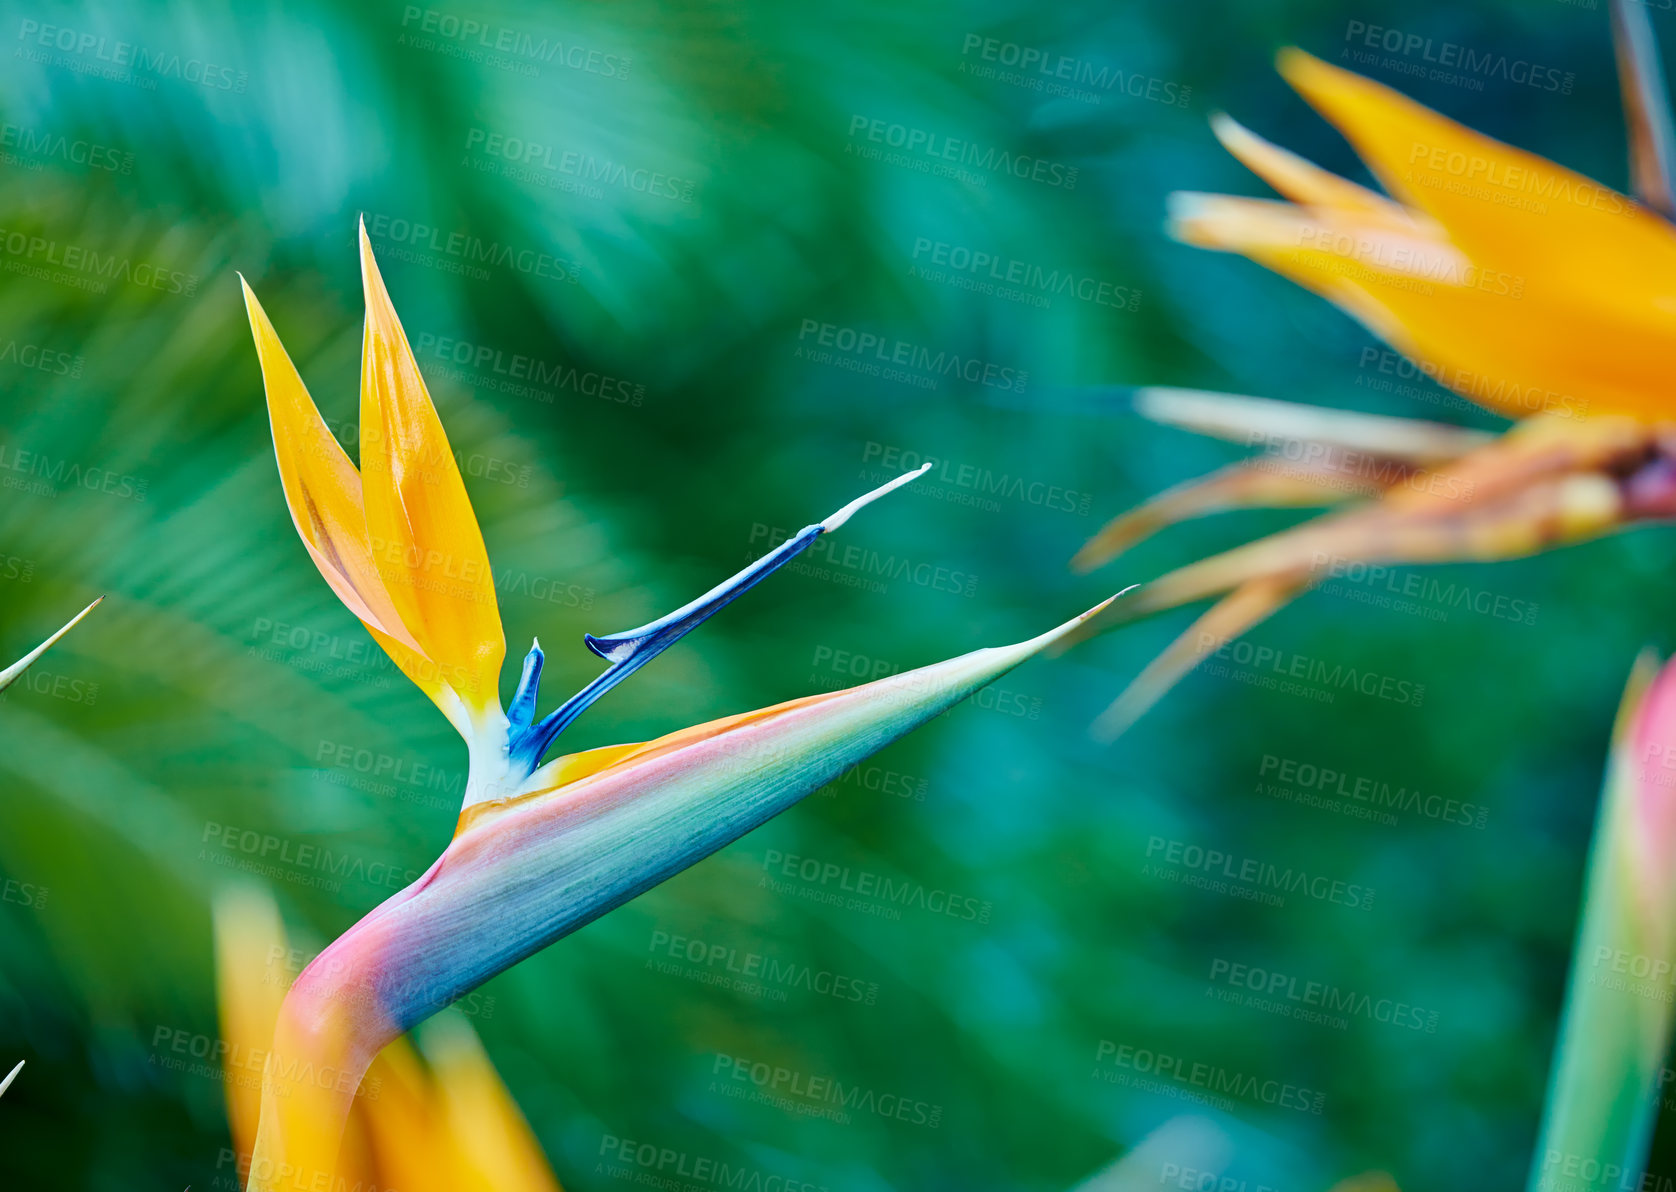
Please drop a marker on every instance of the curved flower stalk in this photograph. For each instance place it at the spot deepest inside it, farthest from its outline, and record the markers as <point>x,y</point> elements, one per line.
<point>442,1122</point>
<point>13,672</point>
<point>540,849</point>
<point>1528,289</point>
<point>1616,1028</point>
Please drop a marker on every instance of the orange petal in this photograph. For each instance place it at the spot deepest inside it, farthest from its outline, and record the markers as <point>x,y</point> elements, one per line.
<point>249,989</point>
<point>1305,182</point>
<point>496,1152</point>
<point>1252,484</point>
<point>407,1136</point>
<point>422,532</point>
<point>1549,265</point>
<point>1498,203</point>
<point>323,492</point>
<point>322,488</point>
<point>1220,624</point>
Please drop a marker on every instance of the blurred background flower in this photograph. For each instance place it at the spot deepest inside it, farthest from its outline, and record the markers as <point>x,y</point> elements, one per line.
<point>681,278</point>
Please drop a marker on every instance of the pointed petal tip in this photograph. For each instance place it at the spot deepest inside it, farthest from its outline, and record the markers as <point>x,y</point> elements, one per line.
<point>1294,64</point>
<point>1080,628</point>
<point>837,520</point>
<point>1225,128</point>
<point>1087,560</point>
<point>10,674</point>
<point>11,1076</point>
<point>1185,214</point>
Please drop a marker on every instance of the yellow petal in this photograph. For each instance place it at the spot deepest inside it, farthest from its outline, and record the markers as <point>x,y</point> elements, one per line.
<point>1513,339</point>
<point>407,1136</point>
<point>323,492</point>
<point>1305,182</point>
<point>1524,286</point>
<point>1498,202</point>
<point>1219,625</point>
<point>495,1148</point>
<point>249,988</point>
<point>423,535</point>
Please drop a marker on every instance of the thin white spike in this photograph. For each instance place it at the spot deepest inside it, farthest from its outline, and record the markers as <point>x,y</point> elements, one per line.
<point>844,514</point>
<point>10,674</point>
<point>10,1076</point>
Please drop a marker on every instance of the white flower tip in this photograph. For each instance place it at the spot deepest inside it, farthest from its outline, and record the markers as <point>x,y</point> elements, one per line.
<point>11,1076</point>
<point>843,515</point>
<point>10,674</point>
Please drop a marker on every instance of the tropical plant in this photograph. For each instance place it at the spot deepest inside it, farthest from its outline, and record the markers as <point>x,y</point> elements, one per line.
<point>540,849</point>
<point>1529,289</point>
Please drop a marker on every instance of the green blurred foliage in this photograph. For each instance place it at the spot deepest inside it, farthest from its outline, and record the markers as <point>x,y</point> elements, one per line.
<point>685,415</point>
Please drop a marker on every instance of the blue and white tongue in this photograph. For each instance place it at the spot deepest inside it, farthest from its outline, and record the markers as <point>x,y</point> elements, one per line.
<point>631,649</point>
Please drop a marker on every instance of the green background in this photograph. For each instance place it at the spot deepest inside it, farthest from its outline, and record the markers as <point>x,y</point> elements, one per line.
<point>214,689</point>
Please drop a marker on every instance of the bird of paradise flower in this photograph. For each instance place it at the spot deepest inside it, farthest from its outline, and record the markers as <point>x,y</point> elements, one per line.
<point>541,848</point>
<point>1527,288</point>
